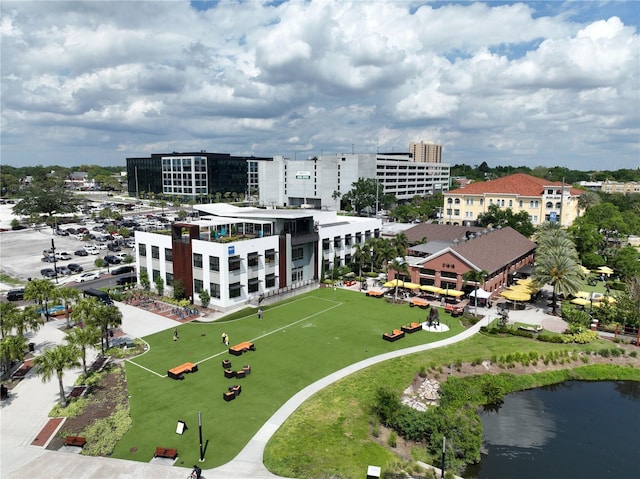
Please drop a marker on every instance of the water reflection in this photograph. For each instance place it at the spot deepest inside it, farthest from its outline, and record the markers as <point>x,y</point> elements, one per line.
<point>521,422</point>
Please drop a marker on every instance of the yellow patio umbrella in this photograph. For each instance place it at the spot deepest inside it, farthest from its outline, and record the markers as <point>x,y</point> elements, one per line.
<point>432,289</point>
<point>605,270</point>
<point>454,292</point>
<point>515,295</point>
<point>393,283</point>
<point>411,286</point>
<point>605,299</point>
<point>582,294</point>
<point>529,289</point>
<point>580,301</point>
<point>585,270</point>
<point>525,282</point>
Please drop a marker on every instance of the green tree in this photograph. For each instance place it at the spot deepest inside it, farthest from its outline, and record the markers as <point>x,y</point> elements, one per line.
<point>496,216</point>
<point>68,296</point>
<point>12,348</point>
<point>83,338</point>
<point>144,279</point>
<point>588,199</point>
<point>364,195</point>
<point>159,282</point>
<point>182,215</point>
<point>401,269</point>
<point>179,292</point>
<point>628,303</point>
<point>56,360</point>
<point>9,185</point>
<point>205,298</point>
<point>626,262</point>
<point>104,318</point>
<point>40,290</point>
<point>36,199</point>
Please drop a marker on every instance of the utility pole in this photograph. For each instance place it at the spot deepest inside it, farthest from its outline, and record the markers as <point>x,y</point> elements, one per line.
<point>200,432</point>
<point>444,444</point>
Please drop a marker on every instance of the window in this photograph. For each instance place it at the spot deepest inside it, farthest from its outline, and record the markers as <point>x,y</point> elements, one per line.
<point>169,279</point>
<point>168,254</point>
<point>235,290</point>
<point>297,274</point>
<point>449,211</point>
<point>549,204</point>
<point>347,240</point>
<point>469,201</point>
<point>214,263</point>
<point>155,275</point>
<point>270,280</point>
<point>142,249</point>
<point>430,272</point>
<point>297,253</point>
<point>253,260</point>
<point>456,212</point>
<point>481,201</point>
<point>558,205</point>
<point>449,201</point>
<point>520,203</point>
<point>214,289</point>
<point>336,242</point>
<point>468,214</point>
<point>457,201</point>
<point>491,201</point>
<point>510,203</point>
<point>501,202</point>
<point>270,256</point>
<point>155,252</point>
<point>533,204</point>
<point>234,263</point>
<point>197,260</point>
<point>197,285</point>
<point>253,285</point>
<point>534,219</point>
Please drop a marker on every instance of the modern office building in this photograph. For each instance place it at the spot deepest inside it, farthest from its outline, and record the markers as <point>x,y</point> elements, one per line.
<point>426,152</point>
<point>191,175</point>
<point>319,182</point>
<point>241,254</point>
<point>543,200</point>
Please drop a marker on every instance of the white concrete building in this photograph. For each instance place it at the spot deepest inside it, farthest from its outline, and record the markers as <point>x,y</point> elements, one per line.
<point>312,183</point>
<point>240,254</point>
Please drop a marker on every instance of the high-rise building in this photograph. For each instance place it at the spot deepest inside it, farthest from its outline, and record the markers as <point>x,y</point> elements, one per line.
<point>426,152</point>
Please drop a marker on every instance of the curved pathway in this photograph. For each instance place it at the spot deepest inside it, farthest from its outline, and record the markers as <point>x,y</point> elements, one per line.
<point>22,417</point>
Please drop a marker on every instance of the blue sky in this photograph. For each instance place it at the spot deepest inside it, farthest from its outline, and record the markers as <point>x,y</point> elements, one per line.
<point>509,83</point>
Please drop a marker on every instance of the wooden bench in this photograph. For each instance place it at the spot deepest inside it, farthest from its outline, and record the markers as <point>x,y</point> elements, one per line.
<point>166,452</point>
<point>375,294</point>
<point>242,347</point>
<point>422,303</point>
<point>453,309</point>
<point>412,328</point>
<point>178,371</point>
<point>75,441</point>
<point>394,335</point>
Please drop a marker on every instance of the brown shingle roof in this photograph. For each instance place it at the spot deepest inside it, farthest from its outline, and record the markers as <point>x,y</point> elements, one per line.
<point>516,184</point>
<point>436,232</point>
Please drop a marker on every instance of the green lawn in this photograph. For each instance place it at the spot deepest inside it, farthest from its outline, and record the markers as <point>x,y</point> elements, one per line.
<point>298,342</point>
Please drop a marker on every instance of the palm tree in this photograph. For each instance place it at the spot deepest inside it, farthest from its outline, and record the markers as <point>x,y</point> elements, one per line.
<point>477,277</point>
<point>40,290</point>
<point>55,361</point>
<point>559,268</point>
<point>12,348</point>
<point>83,338</point>
<point>68,296</point>
<point>588,199</point>
<point>104,318</point>
<point>8,317</point>
<point>399,266</point>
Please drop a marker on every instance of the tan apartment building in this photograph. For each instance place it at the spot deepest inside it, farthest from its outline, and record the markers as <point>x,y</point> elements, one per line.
<point>426,152</point>
<point>625,188</point>
<point>541,199</point>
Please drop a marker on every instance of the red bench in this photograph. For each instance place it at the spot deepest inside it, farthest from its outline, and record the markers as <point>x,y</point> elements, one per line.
<point>75,441</point>
<point>166,452</point>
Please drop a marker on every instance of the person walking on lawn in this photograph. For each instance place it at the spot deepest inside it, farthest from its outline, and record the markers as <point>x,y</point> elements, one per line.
<point>259,313</point>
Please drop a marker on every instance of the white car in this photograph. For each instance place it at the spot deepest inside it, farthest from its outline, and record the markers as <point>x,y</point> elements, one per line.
<point>87,277</point>
<point>100,246</point>
<point>91,250</point>
<point>63,256</point>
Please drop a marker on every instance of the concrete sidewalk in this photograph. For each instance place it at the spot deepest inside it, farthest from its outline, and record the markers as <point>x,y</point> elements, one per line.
<point>24,414</point>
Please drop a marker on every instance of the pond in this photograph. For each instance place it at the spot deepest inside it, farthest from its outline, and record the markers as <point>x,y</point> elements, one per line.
<point>573,429</point>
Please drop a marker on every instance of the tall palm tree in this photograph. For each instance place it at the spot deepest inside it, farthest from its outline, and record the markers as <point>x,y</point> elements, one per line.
<point>559,268</point>
<point>68,296</point>
<point>399,266</point>
<point>40,290</point>
<point>55,361</point>
<point>104,318</point>
<point>588,199</point>
<point>83,338</point>
<point>477,277</point>
<point>8,317</point>
<point>12,348</point>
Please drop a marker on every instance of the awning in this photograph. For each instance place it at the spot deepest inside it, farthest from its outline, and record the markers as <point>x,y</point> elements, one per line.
<point>516,295</point>
<point>454,292</point>
<point>394,283</point>
<point>482,294</point>
<point>411,286</point>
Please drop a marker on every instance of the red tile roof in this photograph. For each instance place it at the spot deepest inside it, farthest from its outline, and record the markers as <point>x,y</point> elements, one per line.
<point>517,184</point>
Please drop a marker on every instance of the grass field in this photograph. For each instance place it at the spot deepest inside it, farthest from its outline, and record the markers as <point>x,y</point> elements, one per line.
<point>297,342</point>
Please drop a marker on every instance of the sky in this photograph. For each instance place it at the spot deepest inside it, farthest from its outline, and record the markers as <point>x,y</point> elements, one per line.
<point>547,83</point>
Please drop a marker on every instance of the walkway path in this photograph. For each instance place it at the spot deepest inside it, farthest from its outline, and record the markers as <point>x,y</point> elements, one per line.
<point>23,415</point>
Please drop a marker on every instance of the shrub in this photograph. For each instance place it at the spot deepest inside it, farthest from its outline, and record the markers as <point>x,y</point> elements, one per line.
<point>633,354</point>
<point>423,372</point>
<point>392,441</point>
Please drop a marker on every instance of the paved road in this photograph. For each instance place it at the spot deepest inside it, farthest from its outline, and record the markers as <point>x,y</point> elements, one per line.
<point>25,413</point>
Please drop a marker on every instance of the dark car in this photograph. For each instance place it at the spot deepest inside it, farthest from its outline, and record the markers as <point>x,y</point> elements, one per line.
<point>72,231</point>
<point>63,270</point>
<point>113,247</point>
<point>48,272</point>
<point>48,259</point>
<point>81,252</point>
<point>62,232</point>
<point>112,259</point>
<point>126,280</point>
<point>15,294</point>
<point>75,268</point>
<point>123,270</point>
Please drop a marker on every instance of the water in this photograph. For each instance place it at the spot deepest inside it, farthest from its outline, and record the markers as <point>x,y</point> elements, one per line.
<point>569,430</point>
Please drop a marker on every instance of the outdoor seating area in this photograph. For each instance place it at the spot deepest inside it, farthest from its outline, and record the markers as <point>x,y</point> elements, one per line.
<point>179,371</point>
<point>375,294</point>
<point>453,309</point>
<point>242,347</point>
<point>420,302</point>
<point>394,335</point>
<point>412,328</point>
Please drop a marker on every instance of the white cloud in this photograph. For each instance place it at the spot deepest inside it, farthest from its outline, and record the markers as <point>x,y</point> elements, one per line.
<point>506,84</point>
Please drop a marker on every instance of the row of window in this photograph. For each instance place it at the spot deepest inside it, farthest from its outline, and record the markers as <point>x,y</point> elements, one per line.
<point>253,259</point>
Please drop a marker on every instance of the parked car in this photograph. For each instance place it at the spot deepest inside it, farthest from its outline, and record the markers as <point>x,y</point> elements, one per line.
<point>48,259</point>
<point>48,252</point>
<point>62,232</point>
<point>113,247</point>
<point>91,250</point>
<point>64,256</point>
<point>87,277</point>
<point>100,246</point>
<point>81,252</point>
<point>48,272</point>
<point>112,259</point>
<point>123,270</point>
<point>75,268</point>
<point>15,294</point>
<point>63,270</point>
<point>72,231</point>
<point>126,280</point>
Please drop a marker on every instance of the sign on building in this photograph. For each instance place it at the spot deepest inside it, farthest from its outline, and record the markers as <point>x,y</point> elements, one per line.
<point>303,175</point>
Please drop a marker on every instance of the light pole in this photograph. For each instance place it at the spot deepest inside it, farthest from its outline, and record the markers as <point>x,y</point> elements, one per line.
<point>200,432</point>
